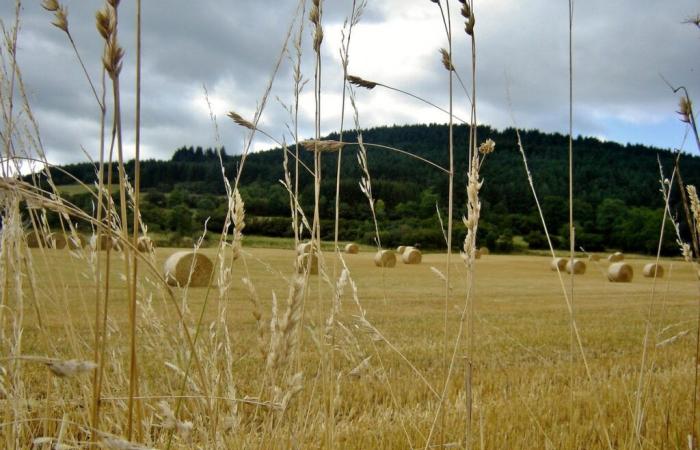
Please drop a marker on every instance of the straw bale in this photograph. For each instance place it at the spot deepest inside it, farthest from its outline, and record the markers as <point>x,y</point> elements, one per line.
<point>144,244</point>
<point>400,249</point>
<point>105,242</point>
<point>75,242</point>
<point>304,247</point>
<point>558,263</point>
<point>616,257</point>
<point>385,258</point>
<point>653,269</point>
<point>35,239</point>
<point>178,266</point>
<point>352,248</point>
<point>411,256</point>
<point>620,272</point>
<point>56,241</point>
<point>307,261</point>
<point>578,267</point>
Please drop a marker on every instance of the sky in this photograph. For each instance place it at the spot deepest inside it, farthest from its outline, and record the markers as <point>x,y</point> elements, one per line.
<point>622,52</point>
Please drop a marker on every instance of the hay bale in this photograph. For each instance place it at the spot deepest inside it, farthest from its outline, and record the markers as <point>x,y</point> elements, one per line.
<point>400,249</point>
<point>411,256</point>
<point>35,239</point>
<point>578,267</point>
<point>178,266</point>
<point>304,248</point>
<point>56,241</point>
<point>144,244</point>
<point>477,253</point>
<point>105,243</point>
<point>620,272</point>
<point>594,258</point>
<point>75,242</point>
<point>653,270</point>
<point>352,248</point>
<point>558,263</point>
<point>484,250</point>
<point>307,261</point>
<point>616,257</point>
<point>385,258</point>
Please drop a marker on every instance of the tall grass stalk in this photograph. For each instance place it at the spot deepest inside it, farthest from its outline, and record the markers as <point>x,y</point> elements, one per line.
<point>572,235</point>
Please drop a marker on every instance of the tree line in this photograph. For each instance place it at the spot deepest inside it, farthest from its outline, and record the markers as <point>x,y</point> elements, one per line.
<point>618,203</point>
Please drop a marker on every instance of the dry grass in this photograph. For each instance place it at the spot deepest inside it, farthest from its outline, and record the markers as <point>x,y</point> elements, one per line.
<point>522,364</point>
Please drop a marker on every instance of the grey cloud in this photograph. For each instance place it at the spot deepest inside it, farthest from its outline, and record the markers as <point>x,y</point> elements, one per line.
<point>620,50</point>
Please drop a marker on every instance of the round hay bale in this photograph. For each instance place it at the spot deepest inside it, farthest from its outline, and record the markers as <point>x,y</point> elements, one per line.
<point>35,240</point>
<point>620,272</point>
<point>144,244</point>
<point>477,254</point>
<point>307,261</point>
<point>352,248</point>
<point>385,258</point>
<point>578,267</point>
<point>75,242</point>
<point>593,257</point>
<point>304,248</point>
<point>411,256</point>
<point>400,249</point>
<point>484,250</point>
<point>558,263</point>
<point>105,242</point>
<point>56,241</point>
<point>616,257</point>
<point>652,270</point>
<point>178,266</point>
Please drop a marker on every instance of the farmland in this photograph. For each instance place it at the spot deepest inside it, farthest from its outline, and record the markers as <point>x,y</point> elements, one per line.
<point>522,360</point>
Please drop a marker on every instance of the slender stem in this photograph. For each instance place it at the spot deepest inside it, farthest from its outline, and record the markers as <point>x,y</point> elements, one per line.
<point>133,367</point>
<point>572,236</point>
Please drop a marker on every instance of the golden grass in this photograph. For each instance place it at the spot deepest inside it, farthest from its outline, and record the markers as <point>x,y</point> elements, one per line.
<point>521,380</point>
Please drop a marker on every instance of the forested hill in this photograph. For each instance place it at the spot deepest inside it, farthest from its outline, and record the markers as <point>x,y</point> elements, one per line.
<point>617,204</point>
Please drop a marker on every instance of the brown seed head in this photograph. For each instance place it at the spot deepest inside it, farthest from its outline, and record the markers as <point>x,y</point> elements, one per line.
<point>486,147</point>
<point>240,120</point>
<point>50,5</point>
<point>112,58</point>
<point>686,109</point>
<point>357,81</point>
<point>114,3</point>
<point>104,19</point>
<point>61,19</point>
<point>318,38</point>
<point>314,15</point>
<point>313,145</point>
<point>447,60</point>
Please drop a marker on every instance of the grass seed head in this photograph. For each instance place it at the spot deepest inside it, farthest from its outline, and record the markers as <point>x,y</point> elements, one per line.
<point>447,60</point>
<point>357,81</point>
<point>50,5</point>
<point>240,120</point>
<point>486,147</point>
<point>61,18</point>
<point>685,109</point>
<point>104,19</point>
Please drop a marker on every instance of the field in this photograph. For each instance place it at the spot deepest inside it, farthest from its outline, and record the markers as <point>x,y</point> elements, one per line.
<point>522,366</point>
<point>100,349</point>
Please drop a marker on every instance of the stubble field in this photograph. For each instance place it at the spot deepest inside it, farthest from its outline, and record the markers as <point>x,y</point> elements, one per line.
<point>522,362</point>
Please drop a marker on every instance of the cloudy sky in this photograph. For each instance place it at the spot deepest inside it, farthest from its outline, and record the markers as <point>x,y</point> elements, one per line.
<point>621,51</point>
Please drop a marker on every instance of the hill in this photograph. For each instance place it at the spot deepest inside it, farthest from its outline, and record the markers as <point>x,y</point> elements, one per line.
<point>617,204</point>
